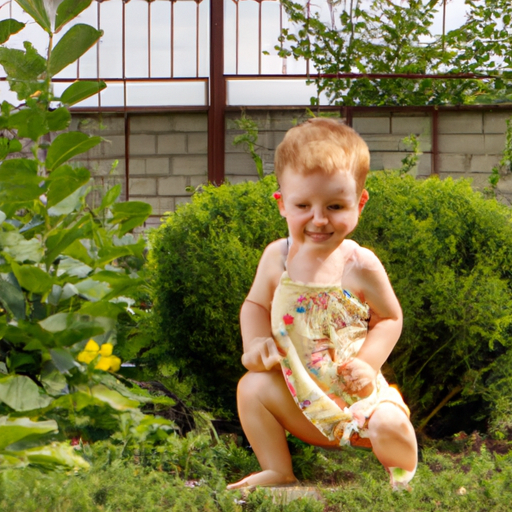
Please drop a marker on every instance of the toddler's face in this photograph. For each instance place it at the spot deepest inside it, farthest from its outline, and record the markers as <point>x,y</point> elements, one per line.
<point>320,209</point>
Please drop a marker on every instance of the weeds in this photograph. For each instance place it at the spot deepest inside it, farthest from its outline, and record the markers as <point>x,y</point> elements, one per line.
<point>464,474</point>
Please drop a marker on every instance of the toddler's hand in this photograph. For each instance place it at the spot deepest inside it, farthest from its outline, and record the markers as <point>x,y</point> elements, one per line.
<point>358,376</point>
<point>262,355</point>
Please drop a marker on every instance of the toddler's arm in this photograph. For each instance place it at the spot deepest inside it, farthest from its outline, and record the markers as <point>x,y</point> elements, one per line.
<point>260,351</point>
<point>385,324</point>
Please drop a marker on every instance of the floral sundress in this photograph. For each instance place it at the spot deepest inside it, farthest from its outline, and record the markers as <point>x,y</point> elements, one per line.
<point>316,328</point>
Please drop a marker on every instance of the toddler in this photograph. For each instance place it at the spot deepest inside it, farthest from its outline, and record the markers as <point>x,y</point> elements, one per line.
<point>321,318</point>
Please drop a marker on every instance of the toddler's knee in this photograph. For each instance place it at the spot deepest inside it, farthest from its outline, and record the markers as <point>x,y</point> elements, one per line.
<point>389,420</point>
<point>250,385</point>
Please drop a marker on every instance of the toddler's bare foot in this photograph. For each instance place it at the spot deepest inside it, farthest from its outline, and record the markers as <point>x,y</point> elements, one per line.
<point>267,478</point>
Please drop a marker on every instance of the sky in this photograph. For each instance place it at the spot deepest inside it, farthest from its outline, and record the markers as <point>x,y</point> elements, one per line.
<point>149,28</point>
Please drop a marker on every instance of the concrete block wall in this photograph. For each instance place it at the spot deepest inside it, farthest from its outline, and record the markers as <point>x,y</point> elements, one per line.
<point>168,152</point>
<point>168,155</point>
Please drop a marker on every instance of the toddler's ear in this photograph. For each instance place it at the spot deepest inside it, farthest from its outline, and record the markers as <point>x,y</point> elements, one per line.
<point>363,199</point>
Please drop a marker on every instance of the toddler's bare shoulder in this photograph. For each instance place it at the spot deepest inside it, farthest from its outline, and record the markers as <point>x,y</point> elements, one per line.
<point>362,257</point>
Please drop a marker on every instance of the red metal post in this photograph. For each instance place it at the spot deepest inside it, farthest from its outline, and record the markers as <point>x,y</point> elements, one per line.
<point>435,141</point>
<point>217,108</point>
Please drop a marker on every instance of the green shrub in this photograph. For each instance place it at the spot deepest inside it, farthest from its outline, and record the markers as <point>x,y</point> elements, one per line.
<point>448,252</point>
<point>204,258</point>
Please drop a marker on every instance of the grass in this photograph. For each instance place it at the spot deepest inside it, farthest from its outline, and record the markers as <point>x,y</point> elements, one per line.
<point>190,474</point>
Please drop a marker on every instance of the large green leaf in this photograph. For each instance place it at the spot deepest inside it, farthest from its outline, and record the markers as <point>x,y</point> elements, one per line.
<point>111,397</point>
<point>9,146</point>
<point>92,290</point>
<point>22,65</point>
<point>71,203</point>
<point>62,359</point>
<point>73,44</point>
<point>32,278</point>
<point>56,454</point>
<point>63,181</point>
<point>8,28</point>
<point>12,299</point>
<point>130,214</point>
<point>110,197</point>
<point>58,242</point>
<point>13,430</point>
<point>67,145</point>
<point>58,119</point>
<point>22,250</point>
<point>68,10</point>
<point>79,91</point>
<point>19,181</point>
<point>28,336</point>
<point>36,9</point>
<point>22,394</point>
<point>31,123</point>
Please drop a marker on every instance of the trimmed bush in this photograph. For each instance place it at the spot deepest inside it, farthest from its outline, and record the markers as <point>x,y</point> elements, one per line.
<point>448,252</point>
<point>204,257</point>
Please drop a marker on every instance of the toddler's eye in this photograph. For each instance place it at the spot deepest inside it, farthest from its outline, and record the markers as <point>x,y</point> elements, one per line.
<point>335,207</point>
<point>302,206</point>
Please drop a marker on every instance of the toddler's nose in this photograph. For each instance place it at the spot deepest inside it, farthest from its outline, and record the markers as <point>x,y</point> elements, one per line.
<point>319,218</point>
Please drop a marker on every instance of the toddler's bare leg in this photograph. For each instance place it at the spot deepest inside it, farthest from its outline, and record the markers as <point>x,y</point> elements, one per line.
<point>393,438</point>
<point>267,409</point>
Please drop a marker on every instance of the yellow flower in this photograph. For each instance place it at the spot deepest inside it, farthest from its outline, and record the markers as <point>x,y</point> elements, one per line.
<point>107,362</point>
<point>92,346</point>
<point>90,351</point>
<point>106,349</point>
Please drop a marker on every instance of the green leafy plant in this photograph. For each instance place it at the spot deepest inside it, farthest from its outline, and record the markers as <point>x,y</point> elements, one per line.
<point>385,37</point>
<point>67,269</point>
<point>249,139</point>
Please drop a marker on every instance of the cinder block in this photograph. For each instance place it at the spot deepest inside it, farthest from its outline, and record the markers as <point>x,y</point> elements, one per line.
<point>382,142</point>
<point>494,143</point>
<point>392,160</point>
<point>364,125</point>
<point>142,144</point>
<point>106,167</point>
<point>172,144</point>
<point>191,122</point>
<point>410,125</point>
<point>453,163</point>
<point>150,123</point>
<point>153,201</point>
<point>172,186</point>
<point>240,163</point>
<point>157,166</point>
<point>483,163</point>
<point>505,184</point>
<point>496,122</point>
<point>470,144</point>
<point>180,201</point>
<point>196,181</point>
<point>197,143</point>
<point>137,166</point>
<point>283,120</point>
<point>189,165</point>
<point>109,148</point>
<point>142,187</point>
<point>102,125</point>
<point>460,122</point>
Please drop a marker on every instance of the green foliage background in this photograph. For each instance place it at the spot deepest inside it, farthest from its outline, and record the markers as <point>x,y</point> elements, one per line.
<point>448,252</point>
<point>203,260</point>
